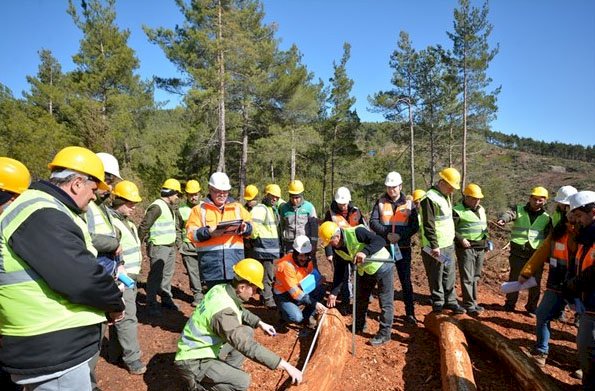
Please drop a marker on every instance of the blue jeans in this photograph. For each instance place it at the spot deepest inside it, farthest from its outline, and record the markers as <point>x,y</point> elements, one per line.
<point>551,306</point>
<point>290,310</point>
<point>585,344</point>
<point>364,285</point>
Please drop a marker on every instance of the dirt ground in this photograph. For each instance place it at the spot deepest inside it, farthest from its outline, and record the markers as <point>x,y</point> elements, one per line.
<point>410,361</point>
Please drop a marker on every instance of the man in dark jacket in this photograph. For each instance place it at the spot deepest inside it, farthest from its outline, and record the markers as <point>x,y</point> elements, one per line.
<point>54,295</point>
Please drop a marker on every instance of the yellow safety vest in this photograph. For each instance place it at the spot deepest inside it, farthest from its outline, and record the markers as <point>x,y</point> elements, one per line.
<point>443,222</point>
<point>131,253</point>
<point>163,230</point>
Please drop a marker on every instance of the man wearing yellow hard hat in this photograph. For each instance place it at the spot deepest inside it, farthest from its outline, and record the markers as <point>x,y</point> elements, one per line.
<point>161,230</point>
<point>298,217</point>
<point>250,193</point>
<point>14,179</point>
<point>188,251</point>
<point>531,225</point>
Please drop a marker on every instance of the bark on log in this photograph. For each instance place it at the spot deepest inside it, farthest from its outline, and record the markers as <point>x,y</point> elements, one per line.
<point>525,371</point>
<point>328,360</point>
<point>455,364</point>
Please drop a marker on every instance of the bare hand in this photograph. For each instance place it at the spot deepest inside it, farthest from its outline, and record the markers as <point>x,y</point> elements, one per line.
<point>242,228</point>
<point>331,301</point>
<point>214,234</point>
<point>267,328</point>
<point>115,317</point>
<point>501,223</point>
<point>435,253</point>
<point>295,374</point>
<point>118,251</point>
<point>320,308</point>
<point>522,279</point>
<point>466,243</point>
<point>393,237</point>
<point>360,257</point>
<point>330,258</point>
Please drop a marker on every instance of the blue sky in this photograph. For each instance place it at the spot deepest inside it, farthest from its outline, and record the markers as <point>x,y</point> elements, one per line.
<point>546,63</point>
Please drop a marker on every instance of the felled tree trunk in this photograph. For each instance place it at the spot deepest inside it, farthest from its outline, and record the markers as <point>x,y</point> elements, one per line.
<point>326,364</point>
<point>455,364</point>
<point>526,372</point>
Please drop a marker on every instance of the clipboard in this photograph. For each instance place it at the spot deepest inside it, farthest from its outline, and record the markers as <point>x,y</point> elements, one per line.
<point>231,227</point>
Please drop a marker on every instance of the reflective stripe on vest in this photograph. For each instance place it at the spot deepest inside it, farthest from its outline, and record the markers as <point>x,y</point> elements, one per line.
<point>223,242</point>
<point>559,251</point>
<point>28,306</point>
<point>523,231</point>
<point>292,286</point>
<point>163,230</point>
<point>353,247</point>
<point>265,232</point>
<point>131,252</point>
<point>470,225</point>
<point>443,223</point>
<point>198,339</point>
<point>396,218</point>
<point>351,221</point>
<point>98,222</point>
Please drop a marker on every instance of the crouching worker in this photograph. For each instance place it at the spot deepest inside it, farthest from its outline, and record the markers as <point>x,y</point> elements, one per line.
<point>216,340</point>
<point>298,283</point>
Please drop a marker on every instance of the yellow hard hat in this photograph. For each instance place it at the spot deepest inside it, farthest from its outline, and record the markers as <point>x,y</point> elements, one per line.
<point>451,176</point>
<point>250,270</point>
<point>14,176</point>
<point>326,231</point>
<point>295,187</point>
<point>473,190</point>
<point>250,192</point>
<point>172,184</point>
<point>418,194</point>
<point>127,190</point>
<point>81,160</point>
<point>273,190</point>
<point>540,192</point>
<point>192,187</point>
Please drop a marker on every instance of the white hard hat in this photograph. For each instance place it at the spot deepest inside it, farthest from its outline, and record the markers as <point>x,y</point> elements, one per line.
<point>110,164</point>
<point>302,244</point>
<point>564,193</point>
<point>219,181</point>
<point>581,198</point>
<point>342,195</point>
<point>393,179</point>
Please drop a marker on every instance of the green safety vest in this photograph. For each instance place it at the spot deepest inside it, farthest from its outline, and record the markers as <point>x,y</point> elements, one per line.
<point>556,217</point>
<point>185,210</point>
<point>28,306</point>
<point>163,230</point>
<point>443,222</point>
<point>99,222</point>
<point>470,225</point>
<point>131,253</point>
<point>353,247</point>
<point>198,338</point>
<point>265,232</point>
<point>523,231</point>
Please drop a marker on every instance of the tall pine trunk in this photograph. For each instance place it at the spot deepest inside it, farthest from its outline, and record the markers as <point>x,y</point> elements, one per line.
<point>244,159</point>
<point>221,58</point>
<point>412,147</point>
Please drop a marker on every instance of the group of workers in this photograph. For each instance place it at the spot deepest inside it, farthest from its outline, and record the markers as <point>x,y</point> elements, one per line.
<point>71,258</point>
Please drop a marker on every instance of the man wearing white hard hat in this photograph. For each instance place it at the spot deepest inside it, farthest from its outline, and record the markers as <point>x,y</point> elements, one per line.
<point>344,214</point>
<point>218,250</point>
<point>562,203</point>
<point>582,211</point>
<point>395,219</point>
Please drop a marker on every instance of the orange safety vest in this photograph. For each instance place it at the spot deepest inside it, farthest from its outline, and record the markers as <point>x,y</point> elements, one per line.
<point>398,217</point>
<point>585,257</point>
<point>288,276</point>
<point>352,219</point>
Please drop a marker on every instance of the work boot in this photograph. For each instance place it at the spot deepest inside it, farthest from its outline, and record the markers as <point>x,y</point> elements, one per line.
<point>578,374</point>
<point>136,368</point>
<point>196,301</point>
<point>379,339</point>
<point>411,320</point>
<point>457,309</point>
<point>539,358</point>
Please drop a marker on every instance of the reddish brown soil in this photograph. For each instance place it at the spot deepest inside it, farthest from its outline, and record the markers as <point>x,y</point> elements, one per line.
<point>411,361</point>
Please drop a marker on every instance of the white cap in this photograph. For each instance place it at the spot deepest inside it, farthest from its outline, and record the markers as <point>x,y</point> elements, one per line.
<point>581,198</point>
<point>393,179</point>
<point>342,195</point>
<point>564,193</point>
<point>302,244</point>
<point>110,164</point>
<point>219,181</point>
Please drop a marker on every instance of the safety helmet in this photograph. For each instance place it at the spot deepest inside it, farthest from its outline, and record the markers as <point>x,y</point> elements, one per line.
<point>473,190</point>
<point>110,164</point>
<point>581,198</point>
<point>342,195</point>
<point>14,176</point>
<point>564,193</point>
<point>451,176</point>
<point>172,184</point>
<point>295,187</point>
<point>418,194</point>
<point>327,230</point>
<point>540,192</point>
<point>192,186</point>
<point>81,160</point>
<point>393,179</point>
<point>219,181</point>
<point>250,192</point>
<point>273,190</point>
<point>127,190</point>
<point>302,244</point>
<point>251,270</point>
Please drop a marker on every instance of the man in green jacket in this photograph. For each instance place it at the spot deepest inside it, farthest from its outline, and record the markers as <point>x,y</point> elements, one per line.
<point>219,335</point>
<point>188,251</point>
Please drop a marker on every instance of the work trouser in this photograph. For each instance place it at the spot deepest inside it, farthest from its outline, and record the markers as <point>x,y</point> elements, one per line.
<point>364,286</point>
<point>92,363</point>
<point>470,262</point>
<point>73,379</point>
<point>342,273</point>
<point>221,374</point>
<point>441,278</point>
<point>163,262</point>
<point>551,307</point>
<point>190,259</point>
<point>289,307</point>
<point>585,345</point>
<point>516,266</point>
<point>269,279</point>
<point>123,335</point>
<point>404,272</point>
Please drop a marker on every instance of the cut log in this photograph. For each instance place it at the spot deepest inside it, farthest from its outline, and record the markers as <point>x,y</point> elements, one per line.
<point>328,360</point>
<point>455,364</point>
<point>526,372</point>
